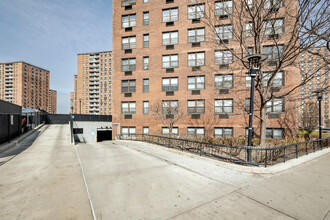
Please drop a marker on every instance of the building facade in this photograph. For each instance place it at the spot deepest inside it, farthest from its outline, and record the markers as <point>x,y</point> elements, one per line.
<point>314,64</point>
<point>168,75</point>
<point>25,85</point>
<point>92,84</point>
<point>52,101</point>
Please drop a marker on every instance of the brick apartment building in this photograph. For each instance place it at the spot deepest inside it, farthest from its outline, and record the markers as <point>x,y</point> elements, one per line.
<point>92,84</point>
<point>163,59</point>
<point>315,63</point>
<point>24,84</point>
<point>52,101</point>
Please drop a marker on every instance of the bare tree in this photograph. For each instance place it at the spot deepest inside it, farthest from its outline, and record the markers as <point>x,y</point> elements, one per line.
<point>168,112</point>
<point>281,29</point>
<point>310,118</point>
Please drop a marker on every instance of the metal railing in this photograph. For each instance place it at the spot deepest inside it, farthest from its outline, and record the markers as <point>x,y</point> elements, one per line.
<point>236,154</point>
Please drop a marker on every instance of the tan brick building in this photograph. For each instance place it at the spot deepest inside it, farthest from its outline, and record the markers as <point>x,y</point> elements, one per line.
<point>164,59</point>
<point>315,63</point>
<point>24,84</point>
<point>92,84</point>
<point>52,101</point>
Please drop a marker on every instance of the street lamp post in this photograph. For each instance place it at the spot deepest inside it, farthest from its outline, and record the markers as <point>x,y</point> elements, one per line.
<point>254,62</point>
<point>319,99</point>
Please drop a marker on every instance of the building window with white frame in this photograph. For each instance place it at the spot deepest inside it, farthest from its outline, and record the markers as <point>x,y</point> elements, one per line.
<point>170,107</point>
<point>223,8</point>
<point>128,132</point>
<point>196,59</point>
<point>128,21</point>
<point>128,108</point>
<point>145,40</point>
<point>273,4</point>
<point>127,2</point>
<point>170,61</point>
<point>249,29</point>
<point>275,106</point>
<point>145,107</point>
<point>128,43</point>
<point>273,52</point>
<point>223,57</point>
<point>273,26</point>
<point>128,64</point>
<point>223,132</point>
<point>224,81</point>
<point>276,133</point>
<point>223,106</point>
<point>128,86</point>
<point>145,18</point>
<point>196,11</point>
<point>196,35</point>
<point>278,80</point>
<point>196,106</point>
<point>170,84</point>
<point>145,63</point>
<point>224,32</point>
<point>170,38</point>
<point>145,85</point>
<point>195,132</point>
<point>196,82</point>
<point>166,131</point>
<point>170,15</point>
<point>145,130</point>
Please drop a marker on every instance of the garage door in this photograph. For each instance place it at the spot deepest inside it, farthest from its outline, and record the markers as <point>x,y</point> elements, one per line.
<point>104,135</point>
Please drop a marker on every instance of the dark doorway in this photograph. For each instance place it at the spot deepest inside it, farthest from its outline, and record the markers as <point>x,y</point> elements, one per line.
<point>104,135</point>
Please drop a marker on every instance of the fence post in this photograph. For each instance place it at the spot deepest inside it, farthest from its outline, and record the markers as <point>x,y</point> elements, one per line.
<point>296,150</point>
<point>284,155</point>
<point>266,159</point>
<point>314,146</point>
<point>306,148</point>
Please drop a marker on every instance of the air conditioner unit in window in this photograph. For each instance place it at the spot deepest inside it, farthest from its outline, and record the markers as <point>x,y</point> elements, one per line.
<point>195,92</point>
<point>223,116</point>
<point>224,91</point>
<point>195,116</point>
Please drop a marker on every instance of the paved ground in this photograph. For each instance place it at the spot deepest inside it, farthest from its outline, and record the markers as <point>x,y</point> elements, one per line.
<point>133,180</point>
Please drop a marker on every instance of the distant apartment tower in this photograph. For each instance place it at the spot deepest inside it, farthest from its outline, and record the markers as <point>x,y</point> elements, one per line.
<point>92,84</point>
<point>24,84</point>
<point>164,59</point>
<point>315,63</point>
<point>52,101</point>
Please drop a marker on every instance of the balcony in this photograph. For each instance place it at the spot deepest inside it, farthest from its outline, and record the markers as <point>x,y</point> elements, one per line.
<point>94,96</point>
<point>93,74</point>
<point>93,83</point>
<point>94,70</point>
<point>94,65</point>
<point>94,79</point>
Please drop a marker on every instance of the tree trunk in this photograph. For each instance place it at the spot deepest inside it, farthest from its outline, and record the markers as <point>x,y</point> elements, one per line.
<point>263,125</point>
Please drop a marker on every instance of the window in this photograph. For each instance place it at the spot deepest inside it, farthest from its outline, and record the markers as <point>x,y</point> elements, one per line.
<point>274,26</point>
<point>145,1</point>
<point>196,11</point>
<point>128,43</point>
<point>196,59</point>
<point>128,132</point>
<point>166,131</point>
<point>128,86</point>
<point>145,130</point>
<point>249,29</point>
<point>223,57</point>
<point>170,15</point>
<point>128,64</point>
<point>128,107</point>
<point>272,4</point>
<point>127,2</point>
<point>128,21</point>
<point>170,38</point>
<point>146,107</point>
<point>170,61</point>
<point>196,82</point>
<point>170,84</point>
<point>145,85</point>
<point>223,81</point>
<point>276,133</point>
<point>275,106</point>
<point>196,35</point>
<point>224,32</point>
<point>170,107</point>
<point>145,63</point>
<point>223,106</point>
<point>196,106</point>
<point>277,80</point>
<point>146,40</point>
<point>145,18</point>
<point>224,8</point>
<point>273,52</point>
<point>193,132</point>
<point>223,132</point>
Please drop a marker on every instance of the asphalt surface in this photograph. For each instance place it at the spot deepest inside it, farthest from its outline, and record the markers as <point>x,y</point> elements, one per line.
<point>134,180</point>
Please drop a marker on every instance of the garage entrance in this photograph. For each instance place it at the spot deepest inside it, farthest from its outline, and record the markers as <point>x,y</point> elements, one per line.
<point>104,134</point>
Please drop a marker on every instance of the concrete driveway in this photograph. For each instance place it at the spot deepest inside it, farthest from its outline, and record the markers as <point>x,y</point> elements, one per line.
<point>134,180</point>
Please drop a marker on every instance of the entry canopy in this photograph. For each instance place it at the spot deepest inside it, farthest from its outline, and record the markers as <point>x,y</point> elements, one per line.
<point>28,110</point>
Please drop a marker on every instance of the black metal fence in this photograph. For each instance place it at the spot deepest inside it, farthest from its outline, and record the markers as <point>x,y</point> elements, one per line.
<point>259,156</point>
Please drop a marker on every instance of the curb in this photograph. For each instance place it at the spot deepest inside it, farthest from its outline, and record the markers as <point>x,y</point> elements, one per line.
<point>18,140</point>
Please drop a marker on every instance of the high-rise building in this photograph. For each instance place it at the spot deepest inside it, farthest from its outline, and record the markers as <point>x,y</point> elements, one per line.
<point>314,64</point>
<point>92,84</point>
<point>24,84</point>
<point>52,101</point>
<point>168,73</point>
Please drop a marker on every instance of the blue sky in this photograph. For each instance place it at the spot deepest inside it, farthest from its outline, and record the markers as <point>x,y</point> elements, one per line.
<point>50,34</point>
